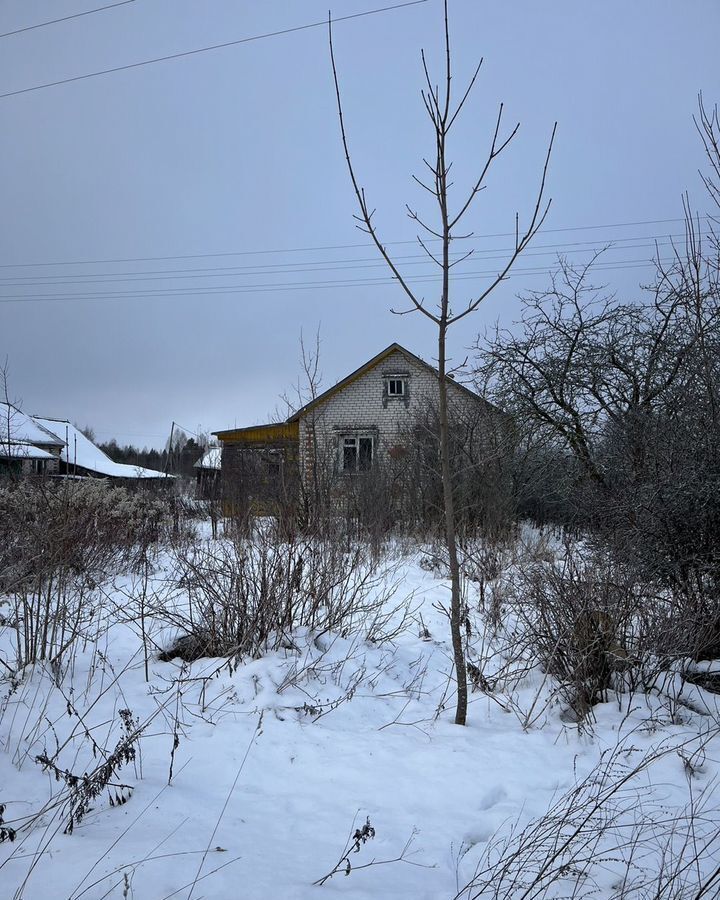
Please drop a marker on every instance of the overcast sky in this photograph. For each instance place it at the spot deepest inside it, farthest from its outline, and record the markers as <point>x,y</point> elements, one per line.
<point>226,169</point>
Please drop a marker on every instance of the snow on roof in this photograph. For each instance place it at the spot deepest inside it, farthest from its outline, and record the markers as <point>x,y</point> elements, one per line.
<point>24,429</point>
<point>20,450</point>
<point>210,460</point>
<point>80,451</point>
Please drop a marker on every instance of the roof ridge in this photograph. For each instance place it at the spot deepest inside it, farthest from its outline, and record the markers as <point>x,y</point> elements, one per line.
<point>370,364</point>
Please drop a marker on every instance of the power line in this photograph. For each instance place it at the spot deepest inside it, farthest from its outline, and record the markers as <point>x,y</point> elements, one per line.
<point>150,294</point>
<point>538,250</point>
<point>88,12</point>
<point>27,281</point>
<point>195,52</point>
<point>188,431</point>
<point>130,433</point>
<point>277,251</point>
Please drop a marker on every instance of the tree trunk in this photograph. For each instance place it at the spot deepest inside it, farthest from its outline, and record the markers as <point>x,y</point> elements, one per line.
<point>442,115</point>
<point>451,538</point>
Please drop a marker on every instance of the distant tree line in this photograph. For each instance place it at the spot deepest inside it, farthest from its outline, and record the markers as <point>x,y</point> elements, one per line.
<point>177,457</point>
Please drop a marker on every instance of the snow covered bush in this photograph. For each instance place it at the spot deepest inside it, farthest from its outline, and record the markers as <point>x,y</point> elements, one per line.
<point>595,625</point>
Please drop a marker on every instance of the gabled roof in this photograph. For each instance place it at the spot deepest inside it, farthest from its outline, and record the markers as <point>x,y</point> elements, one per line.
<point>368,366</point>
<point>80,451</point>
<point>25,429</point>
<point>259,434</point>
<point>19,450</point>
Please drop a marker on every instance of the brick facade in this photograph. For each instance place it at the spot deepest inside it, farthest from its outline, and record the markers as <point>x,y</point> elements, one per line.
<point>371,417</point>
<point>365,408</point>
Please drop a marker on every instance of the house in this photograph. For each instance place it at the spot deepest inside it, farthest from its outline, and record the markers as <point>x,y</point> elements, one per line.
<point>367,422</point>
<point>26,448</point>
<point>37,445</point>
<point>80,457</point>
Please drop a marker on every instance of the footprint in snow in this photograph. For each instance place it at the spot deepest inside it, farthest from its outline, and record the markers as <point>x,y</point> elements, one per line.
<point>485,830</point>
<point>492,797</point>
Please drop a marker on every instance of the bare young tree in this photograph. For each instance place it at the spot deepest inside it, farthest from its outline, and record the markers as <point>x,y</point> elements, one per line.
<point>313,485</point>
<point>443,110</point>
<point>315,468</point>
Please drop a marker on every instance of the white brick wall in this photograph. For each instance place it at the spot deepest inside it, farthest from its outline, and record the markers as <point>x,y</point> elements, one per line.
<point>359,408</point>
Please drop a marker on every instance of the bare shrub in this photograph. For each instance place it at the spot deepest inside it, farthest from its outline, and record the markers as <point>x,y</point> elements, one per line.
<point>58,541</point>
<point>84,789</point>
<point>607,837</point>
<point>595,625</point>
<point>581,619</point>
<point>354,843</point>
<point>694,626</point>
<point>247,595</point>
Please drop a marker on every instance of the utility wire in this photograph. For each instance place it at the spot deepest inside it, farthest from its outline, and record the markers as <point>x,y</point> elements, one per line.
<point>149,293</point>
<point>88,12</point>
<point>188,431</point>
<point>538,250</point>
<point>195,52</point>
<point>277,251</point>
<point>69,279</point>
<point>130,433</point>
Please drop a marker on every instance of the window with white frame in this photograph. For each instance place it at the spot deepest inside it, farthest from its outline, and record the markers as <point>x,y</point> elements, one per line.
<point>396,386</point>
<point>356,453</point>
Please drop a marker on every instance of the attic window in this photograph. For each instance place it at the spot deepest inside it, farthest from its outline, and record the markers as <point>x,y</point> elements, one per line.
<point>396,386</point>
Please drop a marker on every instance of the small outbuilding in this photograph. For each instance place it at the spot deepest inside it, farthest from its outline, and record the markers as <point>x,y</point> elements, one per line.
<point>207,470</point>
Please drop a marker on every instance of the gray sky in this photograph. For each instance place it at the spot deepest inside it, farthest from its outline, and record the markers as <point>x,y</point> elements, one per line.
<point>237,151</point>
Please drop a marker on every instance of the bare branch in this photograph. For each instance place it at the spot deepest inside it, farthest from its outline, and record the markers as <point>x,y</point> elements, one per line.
<point>495,151</point>
<point>466,94</point>
<point>360,194</point>
<point>538,217</point>
<point>431,255</point>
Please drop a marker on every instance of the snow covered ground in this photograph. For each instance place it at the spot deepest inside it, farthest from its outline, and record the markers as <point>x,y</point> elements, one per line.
<point>248,780</point>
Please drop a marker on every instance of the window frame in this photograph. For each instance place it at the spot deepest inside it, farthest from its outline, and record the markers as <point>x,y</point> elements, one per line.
<point>354,440</point>
<point>396,380</point>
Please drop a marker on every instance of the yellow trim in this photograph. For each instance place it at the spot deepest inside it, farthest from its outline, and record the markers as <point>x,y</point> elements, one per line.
<point>258,434</point>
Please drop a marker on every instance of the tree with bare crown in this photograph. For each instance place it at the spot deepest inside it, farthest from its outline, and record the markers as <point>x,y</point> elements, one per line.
<point>443,110</point>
